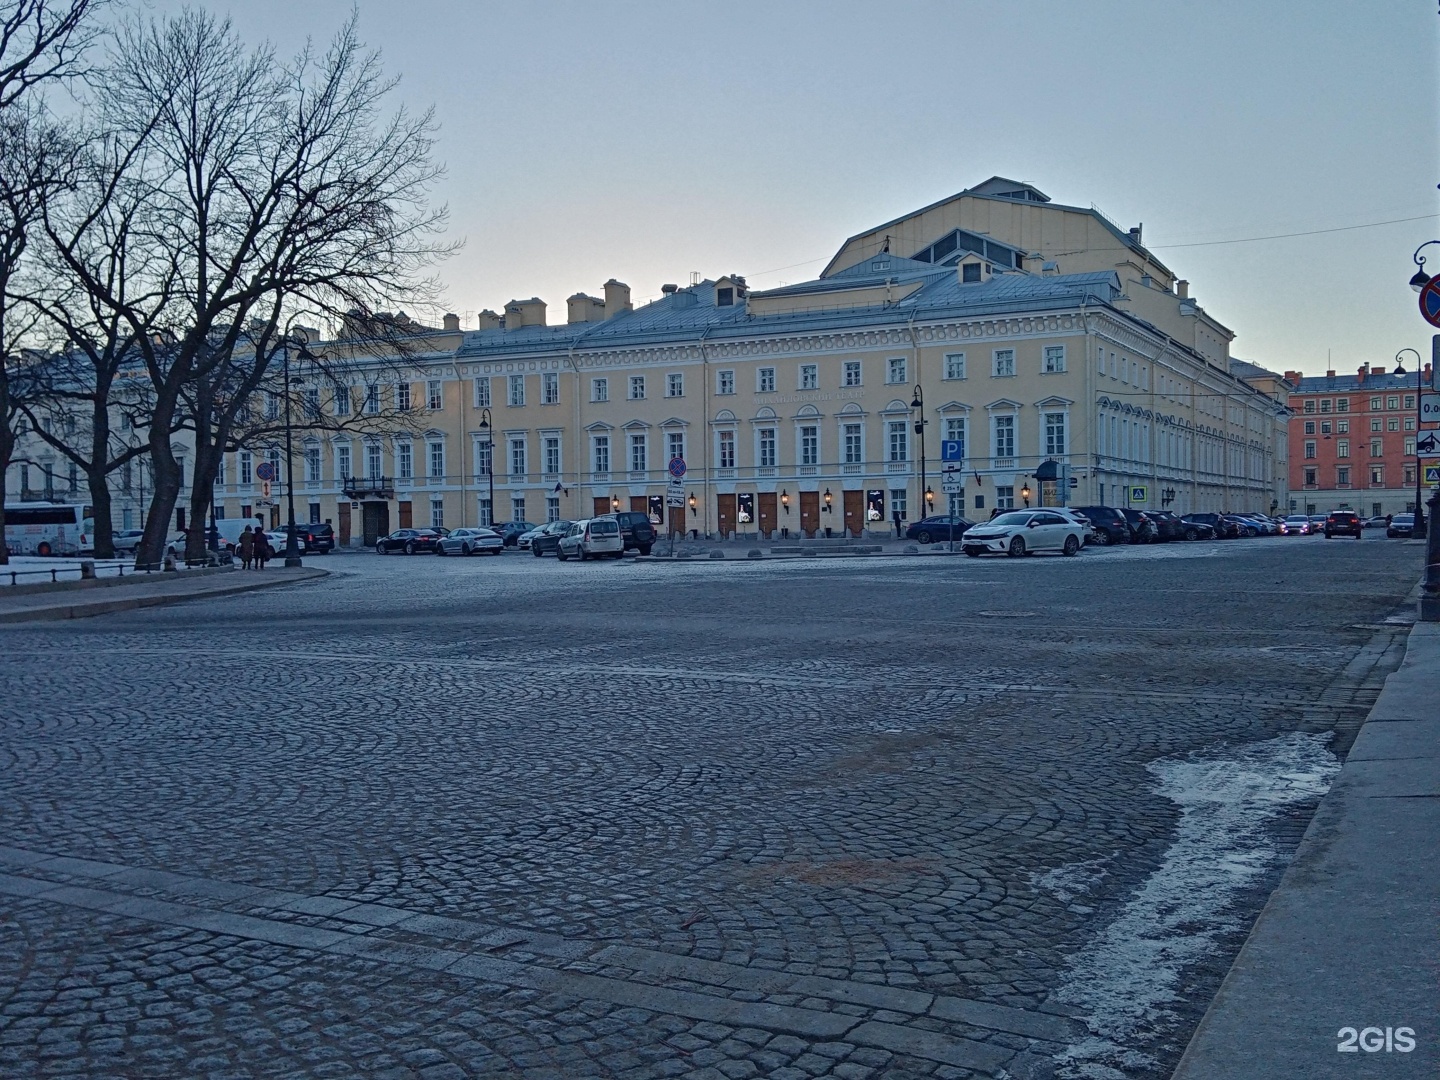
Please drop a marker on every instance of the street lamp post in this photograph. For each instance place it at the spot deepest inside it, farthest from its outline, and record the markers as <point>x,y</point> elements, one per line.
<point>485,419</point>
<point>292,546</point>
<point>1420,529</point>
<point>918,403</point>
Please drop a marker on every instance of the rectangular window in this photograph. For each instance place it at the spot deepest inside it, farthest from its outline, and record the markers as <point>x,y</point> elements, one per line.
<point>1392,424</point>
<point>809,376</point>
<point>955,432</point>
<point>1409,423</point>
<point>1311,477</point>
<point>1375,404</point>
<point>1324,427</point>
<point>1410,445</point>
<point>404,461</point>
<point>482,392</point>
<point>434,395</point>
<point>638,456</point>
<point>1054,359</point>
<point>766,439</point>
<point>342,401</point>
<point>517,507</point>
<point>1409,480</point>
<point>1342,476</point>
<point>342,462</point>
<point>600,447</point>
<point>437,460</point>
<point>1342,404</point>
<point>1325,405</point>
<point>552,507</point>
<point>1377,476</point>
<point>727,449</point>
<point>402,397</point>
<point>809,445</point>
<point>272,405</point>
<point>515,393</point>
<point>895,370</point>
<point>854,444</point>
<point>1377,447</point>
<point>1342,448</point>
<point>1409,401</point>
<point>1055,434</point>
<point>312,464</point>
<point>437,513</point>
<point>765,380</point>
<point>675,384</point>
<point>374,461</point>
<point>599,389</point>
<point>852,372</point>
<point>552,454</point>
<point>1004,363</point>
<point>675,445</point>
<point>1309,427</point>
<point>1004,496</point>
<point>899,431</point>
<point>1342,427</point>
<point>1004,437</point>
<point>246,473</point>
<point>1376,423</point>
<point>1310,448</point>
<point>484,455</point>
<point>550,388</point>
<point>898,503</point>
<point>517,456</point>
<point>637,387</point>
<point>1310,405</point>
<point>955,365</point>
<point>1393,401</point>
<point>724,383</point>
<point>372,399</point>
<point>486,511</point>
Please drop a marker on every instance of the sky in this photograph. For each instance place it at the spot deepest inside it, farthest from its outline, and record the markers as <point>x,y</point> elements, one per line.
<point>646,141</point>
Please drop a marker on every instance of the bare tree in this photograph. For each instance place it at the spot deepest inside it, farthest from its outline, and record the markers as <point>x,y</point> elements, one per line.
<point>42,41</point>
<point>271,187</point>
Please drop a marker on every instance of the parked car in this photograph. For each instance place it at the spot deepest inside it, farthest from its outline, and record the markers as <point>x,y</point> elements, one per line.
<point>126,541</point>
<point>1317,523</point>
<point>276,538</point>
<point>546,539</point>
<point>1142,529</point>
<point>410,541</point>
<point>1379,521</point>
<point>471,541</point>
<point>1297,525</point>
<point>1225,528</point>
<point>937,529</point>
<point>592,538</point>
<point>1167,523</point>
<point>1022,532</point>
<point>522,542</point>
<point>1401,526</point>
<point>636,530</point>
<point>511,531</point>
<point>1245,526</point>
<point>1079,519</point>
<point>1268,526</point>
<point>1109,524</point>
<point>1343,523</point>
<point>319,537</point>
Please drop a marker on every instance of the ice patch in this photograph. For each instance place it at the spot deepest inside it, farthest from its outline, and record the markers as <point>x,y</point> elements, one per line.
<point>1128,978</point>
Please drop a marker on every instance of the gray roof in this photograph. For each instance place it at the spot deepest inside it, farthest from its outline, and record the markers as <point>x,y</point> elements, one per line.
<point>1374,384</point>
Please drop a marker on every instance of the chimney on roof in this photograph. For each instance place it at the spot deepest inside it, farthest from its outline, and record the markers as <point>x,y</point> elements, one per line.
<point>1331,374</point>
<point>1182,289</point>
<point>520,313</point>
<point>488,320</point>
<point>1363,370</point>
<point>1293,377</point>
<point>1377,371</point>
<point>582,308</point>
<point>617,298</point>
<point>1136,232</point>
<point>669,290</point>
<point>452,321</point>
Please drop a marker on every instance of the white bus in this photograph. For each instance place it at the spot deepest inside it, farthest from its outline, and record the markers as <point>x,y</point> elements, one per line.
<point>46,529</point>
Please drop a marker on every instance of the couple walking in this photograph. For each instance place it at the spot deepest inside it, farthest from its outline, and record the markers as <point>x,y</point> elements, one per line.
<point>253,547</point>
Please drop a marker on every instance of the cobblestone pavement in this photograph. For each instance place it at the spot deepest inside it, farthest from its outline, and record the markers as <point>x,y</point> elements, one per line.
<point>864,817</point>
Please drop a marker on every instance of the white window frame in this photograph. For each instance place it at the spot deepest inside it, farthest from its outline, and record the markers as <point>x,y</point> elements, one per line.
<point>808,455</point>
<point>897,371</point>
<point>600,452</point>
<point>725,440</point>
<point>314,464</point>
<point>675,444</point>
<point>808,377</point>
<point>431,446</point>
<point>515,391</point>
<point>549,388</point>
<point>765,380</point>
<point>767,448</point>
<point>600,389</point>
<point>1053,360</point>
<point>954,366</point>
<point>897,440</point>
<point>551,448</point>
<point>725,382</point>
<point>852,374</point>
<point>405,460</point>
<point>995,429</point>
<point>482,391</point>
<point>852,443</point>
<point>637,448</point>
<point>675,384</point>
<point>1046,443</point>
<point>517,455</point>
<point>434,395</point>
<point>1002,364</point>
<point>949,428</point>
<point>636,384</point>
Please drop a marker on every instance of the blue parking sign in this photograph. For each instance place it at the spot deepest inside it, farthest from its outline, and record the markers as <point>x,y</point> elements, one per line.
<point>952,450</point>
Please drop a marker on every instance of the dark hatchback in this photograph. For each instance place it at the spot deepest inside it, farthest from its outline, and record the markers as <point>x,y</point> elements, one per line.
<point>319,537</point>
<point>547,540</point>
<point>410,541</point>
<point>636,530</point>
<point>1223,527</point>
<point>1343,523</point>
<point>1109,524</point>
<point>936,529</point>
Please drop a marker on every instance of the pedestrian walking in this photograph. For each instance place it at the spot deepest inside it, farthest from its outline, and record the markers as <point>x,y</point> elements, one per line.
<point>262,549</point>
<point>245,548</point>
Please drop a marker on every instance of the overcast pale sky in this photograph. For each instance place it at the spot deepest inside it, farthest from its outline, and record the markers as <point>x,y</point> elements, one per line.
<point>644,141</point>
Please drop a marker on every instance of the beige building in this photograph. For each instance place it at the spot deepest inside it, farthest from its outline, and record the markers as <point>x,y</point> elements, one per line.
<point>1038,345</point>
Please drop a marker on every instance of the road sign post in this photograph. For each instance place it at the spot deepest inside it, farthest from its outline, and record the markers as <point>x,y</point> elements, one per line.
<point>1430,301</point>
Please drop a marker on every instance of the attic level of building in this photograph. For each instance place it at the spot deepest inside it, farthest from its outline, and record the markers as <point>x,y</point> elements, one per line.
<point>954,245</point>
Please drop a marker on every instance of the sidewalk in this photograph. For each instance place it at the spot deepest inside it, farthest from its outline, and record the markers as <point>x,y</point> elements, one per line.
<point>81,599</point>
<point>1351,938</point>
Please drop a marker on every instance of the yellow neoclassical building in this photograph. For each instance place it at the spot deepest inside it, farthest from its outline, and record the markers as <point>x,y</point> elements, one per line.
<point>1033,345</point>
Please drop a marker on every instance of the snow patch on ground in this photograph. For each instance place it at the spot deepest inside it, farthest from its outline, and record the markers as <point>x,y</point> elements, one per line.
<point>1128,978</point>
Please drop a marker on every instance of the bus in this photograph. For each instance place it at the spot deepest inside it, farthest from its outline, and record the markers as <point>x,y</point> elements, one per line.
<point>47,529</point>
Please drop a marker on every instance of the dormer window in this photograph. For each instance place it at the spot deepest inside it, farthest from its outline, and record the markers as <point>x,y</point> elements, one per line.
<point>970,273</point>
<point>725,297</point>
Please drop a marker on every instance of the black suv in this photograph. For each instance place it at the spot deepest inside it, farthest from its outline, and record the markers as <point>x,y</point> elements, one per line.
<point>1343,523</point>
<point>635,530</point>
<point>1110,524</point>
<point>318,536</point>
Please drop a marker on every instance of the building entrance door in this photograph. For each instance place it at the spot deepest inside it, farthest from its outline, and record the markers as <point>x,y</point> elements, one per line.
<point>375,518</point>
<point>343,515</point>
<point>809,512</point>
<point>407,516</point>
<point>854,513</point>
<point>725,506</point>
<point>639,504</point>
<point>602,505</point>
<point>767,514</point>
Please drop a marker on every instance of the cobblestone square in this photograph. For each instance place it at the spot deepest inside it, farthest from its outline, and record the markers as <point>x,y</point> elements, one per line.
<point>854,817</point>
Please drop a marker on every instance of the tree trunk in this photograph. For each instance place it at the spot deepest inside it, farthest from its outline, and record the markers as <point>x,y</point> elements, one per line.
<point>99,482</point>
<point>151,550</point>
<point>7,447</point>
<point>202,500</point>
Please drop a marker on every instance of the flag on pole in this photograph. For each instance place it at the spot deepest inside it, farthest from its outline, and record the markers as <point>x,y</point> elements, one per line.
<point>559,489</point>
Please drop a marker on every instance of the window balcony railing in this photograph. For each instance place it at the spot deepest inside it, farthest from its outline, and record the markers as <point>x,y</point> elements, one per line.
<point>368,487</point>
<point>897,466</point>
<point>600,477</point>
<point>1002,463</point>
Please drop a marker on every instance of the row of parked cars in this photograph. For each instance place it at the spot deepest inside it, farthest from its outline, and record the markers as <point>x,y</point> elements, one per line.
<point>607,535</point>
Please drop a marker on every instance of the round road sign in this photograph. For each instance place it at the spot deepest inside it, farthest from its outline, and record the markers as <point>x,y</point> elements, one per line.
<point>1430,301</point>
<point>677,467</point>
<point>265,471</point>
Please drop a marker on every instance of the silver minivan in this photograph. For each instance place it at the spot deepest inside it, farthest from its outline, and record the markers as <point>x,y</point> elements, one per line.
<point>592,538</point>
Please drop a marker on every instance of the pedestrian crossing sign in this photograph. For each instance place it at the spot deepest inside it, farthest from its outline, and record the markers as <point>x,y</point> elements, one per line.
<point>1137,494</point>
<point>1432,475</point>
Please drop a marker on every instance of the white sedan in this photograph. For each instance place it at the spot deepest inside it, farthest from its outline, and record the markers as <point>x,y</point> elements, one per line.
<point>1021,532</point>
<point>470,542</point>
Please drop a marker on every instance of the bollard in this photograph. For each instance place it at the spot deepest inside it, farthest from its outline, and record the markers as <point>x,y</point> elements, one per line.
<point>87,570</point>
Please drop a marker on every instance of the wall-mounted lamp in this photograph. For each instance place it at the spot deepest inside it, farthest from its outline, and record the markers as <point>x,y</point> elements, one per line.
<point>929,498</point>
<point>693,505</point>
<point>1025,494</point>
<point>785,500</point>
<point>828,500</point>
<point>614,504</point>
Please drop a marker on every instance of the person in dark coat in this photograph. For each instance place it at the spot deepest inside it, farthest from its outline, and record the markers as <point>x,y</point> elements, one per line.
<point>245,548</point>
<point>262,549</point>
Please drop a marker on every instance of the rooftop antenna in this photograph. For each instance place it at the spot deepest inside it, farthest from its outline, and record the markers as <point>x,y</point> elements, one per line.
<point>694,278</point>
